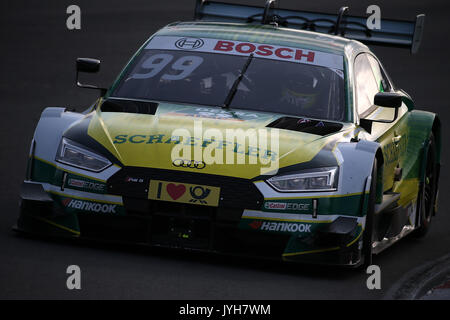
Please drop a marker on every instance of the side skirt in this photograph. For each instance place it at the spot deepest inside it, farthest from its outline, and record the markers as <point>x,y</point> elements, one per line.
<point>379,246</point>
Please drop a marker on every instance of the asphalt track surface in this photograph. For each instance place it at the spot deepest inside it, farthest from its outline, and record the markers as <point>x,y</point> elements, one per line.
<point>37,55</point>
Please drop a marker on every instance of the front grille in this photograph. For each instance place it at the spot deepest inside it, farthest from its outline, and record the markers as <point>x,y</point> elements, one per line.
<point>185,225</point>
<point>113,228</point>
<point>144,208</point>
<point>234,192</point>
<point>182,232</point>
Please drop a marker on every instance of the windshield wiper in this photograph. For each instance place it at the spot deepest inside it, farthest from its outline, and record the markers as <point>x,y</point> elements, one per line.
<point>236,83</point>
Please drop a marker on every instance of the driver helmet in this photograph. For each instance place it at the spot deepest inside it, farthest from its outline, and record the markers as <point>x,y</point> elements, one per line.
<point>300,90</point>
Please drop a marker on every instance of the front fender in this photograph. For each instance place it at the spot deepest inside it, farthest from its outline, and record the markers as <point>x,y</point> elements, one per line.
<point>356,163</point>
<point>47,136</point>
<point>49,130</point>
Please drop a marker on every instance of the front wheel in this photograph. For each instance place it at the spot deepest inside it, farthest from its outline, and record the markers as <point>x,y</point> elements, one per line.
<point>427,191</point>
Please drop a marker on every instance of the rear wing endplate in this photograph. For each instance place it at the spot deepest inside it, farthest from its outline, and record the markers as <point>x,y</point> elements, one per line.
<point>397,33</point>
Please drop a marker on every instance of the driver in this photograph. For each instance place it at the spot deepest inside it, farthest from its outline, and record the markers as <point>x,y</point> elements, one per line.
<point>300,92</point>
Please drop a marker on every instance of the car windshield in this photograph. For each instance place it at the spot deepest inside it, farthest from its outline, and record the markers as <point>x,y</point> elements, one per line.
<point>277,79</point>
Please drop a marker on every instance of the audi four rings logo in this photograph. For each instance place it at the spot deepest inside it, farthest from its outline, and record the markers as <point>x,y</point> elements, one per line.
<point>189,163</point>
<point>189,43</point>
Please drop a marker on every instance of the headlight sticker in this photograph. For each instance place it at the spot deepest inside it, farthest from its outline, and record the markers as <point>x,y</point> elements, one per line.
<point>73,154</point>
<point>320,179</point>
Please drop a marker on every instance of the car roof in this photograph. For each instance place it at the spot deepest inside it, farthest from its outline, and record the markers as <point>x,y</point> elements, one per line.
<point>266,34</point>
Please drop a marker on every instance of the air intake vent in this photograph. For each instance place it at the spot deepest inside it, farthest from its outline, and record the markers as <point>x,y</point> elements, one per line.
<point>321,128</point>
<point>129,106</point>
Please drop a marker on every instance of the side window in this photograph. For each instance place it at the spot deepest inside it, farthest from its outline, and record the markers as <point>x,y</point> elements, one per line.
<point>366,84</point>
<point>383,83</point>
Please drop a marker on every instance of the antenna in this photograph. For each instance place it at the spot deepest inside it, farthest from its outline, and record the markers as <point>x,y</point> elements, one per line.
<point>198,9</point>
<point>269,4</point>
<point>342,11</point>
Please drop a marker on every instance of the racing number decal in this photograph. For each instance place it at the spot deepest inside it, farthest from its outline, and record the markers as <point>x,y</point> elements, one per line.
<point>182,67</point>
<point>184,192</point>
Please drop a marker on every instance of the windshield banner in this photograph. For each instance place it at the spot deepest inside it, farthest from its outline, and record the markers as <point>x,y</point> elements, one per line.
<point>208,45</point>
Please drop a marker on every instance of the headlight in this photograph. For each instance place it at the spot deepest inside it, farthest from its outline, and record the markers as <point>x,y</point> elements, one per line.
<point>74,154</point>
<point>320,179</point>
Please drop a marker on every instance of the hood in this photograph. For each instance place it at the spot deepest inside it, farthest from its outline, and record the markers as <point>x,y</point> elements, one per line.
<point>237,143</point>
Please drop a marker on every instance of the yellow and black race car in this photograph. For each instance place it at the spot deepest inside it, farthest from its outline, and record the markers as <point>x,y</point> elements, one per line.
<point>255,131</point>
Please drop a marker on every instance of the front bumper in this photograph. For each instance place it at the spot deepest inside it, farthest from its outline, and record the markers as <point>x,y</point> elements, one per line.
<point>336,241</point>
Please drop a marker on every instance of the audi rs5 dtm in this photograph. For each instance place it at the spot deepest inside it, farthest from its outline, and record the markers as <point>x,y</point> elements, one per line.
<point>255,131</point>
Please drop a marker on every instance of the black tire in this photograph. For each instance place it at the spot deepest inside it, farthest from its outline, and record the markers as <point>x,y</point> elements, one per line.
<point>368,228</point>
<point>427,191</point>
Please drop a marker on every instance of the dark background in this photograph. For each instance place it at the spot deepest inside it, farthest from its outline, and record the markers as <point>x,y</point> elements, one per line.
<point>37,59</point>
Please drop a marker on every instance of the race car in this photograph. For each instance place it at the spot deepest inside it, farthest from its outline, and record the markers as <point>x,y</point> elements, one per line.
<point>253,131</point>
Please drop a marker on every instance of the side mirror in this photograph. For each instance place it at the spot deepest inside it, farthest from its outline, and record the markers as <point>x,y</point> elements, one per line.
<point>386,100</point>
<point>88,65</point>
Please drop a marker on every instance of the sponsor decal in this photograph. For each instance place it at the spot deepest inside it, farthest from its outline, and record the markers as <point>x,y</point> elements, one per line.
<point>291,206</point>
<point>237,148</point>
<point>199,193</point>
<point>83,184</point>
<point>275,205</point>
<point>189,43</point>
<point>265,50</point>
<point>281,226</point>
<point>185,163</point>
<point>392,151</point>
<point>260,50</point>
<point>134,180</point>
<point>184,192</point>
<point>89,206</point>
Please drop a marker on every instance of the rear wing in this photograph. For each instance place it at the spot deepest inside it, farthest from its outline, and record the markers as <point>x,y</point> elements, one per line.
<point>397,33</point>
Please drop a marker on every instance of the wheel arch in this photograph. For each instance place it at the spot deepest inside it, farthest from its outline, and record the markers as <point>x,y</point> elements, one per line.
<point>358,164</point>
<point>425,123</point>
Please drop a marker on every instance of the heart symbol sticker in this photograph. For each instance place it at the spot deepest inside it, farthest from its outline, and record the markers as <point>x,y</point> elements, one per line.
<point>175,191</point>
<point>255,224</point>
<point>66,201</point>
